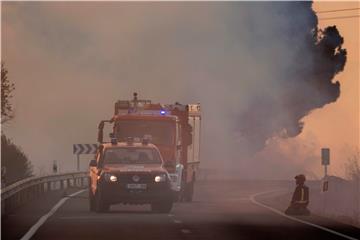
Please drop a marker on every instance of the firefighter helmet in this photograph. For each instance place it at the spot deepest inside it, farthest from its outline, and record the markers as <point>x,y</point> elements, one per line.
<point>300,177</point>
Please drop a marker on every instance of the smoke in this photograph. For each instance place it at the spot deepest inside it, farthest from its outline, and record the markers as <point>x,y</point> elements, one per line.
<point>257,69</point>
<point>306,81</point>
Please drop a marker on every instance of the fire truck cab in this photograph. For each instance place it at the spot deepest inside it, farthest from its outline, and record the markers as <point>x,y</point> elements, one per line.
<point>173,128</point>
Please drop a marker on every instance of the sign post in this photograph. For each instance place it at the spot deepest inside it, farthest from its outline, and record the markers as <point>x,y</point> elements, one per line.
<point>55,167</point>
<point>78,162</point>
<point>83,149</point>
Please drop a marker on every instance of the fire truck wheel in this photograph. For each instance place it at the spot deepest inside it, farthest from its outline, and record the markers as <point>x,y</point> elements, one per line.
<point>162,207</point>
<point>100,204</point>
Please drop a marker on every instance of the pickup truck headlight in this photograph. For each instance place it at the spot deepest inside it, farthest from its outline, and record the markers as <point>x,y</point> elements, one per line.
<point>160,178</point>
<point>110,177</point>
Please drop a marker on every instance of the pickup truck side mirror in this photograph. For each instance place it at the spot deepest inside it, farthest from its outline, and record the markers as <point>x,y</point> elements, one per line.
<point>93,163</point>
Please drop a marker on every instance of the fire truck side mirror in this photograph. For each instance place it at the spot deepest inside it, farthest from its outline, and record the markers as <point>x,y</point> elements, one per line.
<point>93,163</point>
<point>169,164</point>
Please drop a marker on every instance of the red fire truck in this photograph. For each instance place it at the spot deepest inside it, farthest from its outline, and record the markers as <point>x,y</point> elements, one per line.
<point>173,128</point>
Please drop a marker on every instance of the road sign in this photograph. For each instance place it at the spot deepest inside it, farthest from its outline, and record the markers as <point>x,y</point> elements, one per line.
<point>84,149</point>
<point>325,156</point>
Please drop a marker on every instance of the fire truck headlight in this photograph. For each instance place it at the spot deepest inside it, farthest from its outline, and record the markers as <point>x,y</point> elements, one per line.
<point>110,177</point>
<point>160,178</point>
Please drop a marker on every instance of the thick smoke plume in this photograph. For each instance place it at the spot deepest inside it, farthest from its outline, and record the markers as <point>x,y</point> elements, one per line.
<point>306,84</point>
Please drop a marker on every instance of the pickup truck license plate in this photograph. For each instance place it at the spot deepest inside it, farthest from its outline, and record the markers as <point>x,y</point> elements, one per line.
<point>136,186</point>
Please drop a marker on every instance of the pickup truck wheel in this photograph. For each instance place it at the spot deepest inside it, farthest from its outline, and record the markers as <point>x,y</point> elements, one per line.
<point>189,191</point>
<point>100,204</point>
<point>182,193</point>
<point>162,207</point>
<point>91,201</point>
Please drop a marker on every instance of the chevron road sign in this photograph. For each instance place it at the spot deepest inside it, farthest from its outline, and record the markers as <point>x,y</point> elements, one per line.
<point>84,149</point>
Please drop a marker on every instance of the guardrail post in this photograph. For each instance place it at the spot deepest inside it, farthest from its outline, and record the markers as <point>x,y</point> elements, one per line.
<point>42,188</point>
<point>20,198</point>
<point>15,201</point>
<point>27,195</point>
<point>31,193</point>
<point>37,190</point>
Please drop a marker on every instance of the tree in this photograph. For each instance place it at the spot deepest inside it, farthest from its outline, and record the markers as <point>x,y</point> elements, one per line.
<point>14,159</point>
<point>6,90</point>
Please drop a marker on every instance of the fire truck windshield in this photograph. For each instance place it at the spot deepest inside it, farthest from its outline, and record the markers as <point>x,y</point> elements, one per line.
<point>131,156</point>
<point>162,132</point>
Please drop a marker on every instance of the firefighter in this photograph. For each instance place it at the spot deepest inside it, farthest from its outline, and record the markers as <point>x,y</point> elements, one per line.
<point>300,198</point>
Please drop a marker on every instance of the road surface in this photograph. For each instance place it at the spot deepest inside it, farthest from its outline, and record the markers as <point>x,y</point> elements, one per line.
<point>220,210</point>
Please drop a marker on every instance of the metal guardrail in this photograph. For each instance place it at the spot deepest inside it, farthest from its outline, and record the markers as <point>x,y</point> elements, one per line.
<point>20,192</point>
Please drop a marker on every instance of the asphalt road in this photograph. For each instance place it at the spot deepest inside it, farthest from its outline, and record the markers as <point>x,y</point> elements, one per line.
<point>220,210</point>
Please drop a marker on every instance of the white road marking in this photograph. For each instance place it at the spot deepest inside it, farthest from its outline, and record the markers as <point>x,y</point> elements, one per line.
<point>177,221</point>
<point>186,231</point>
<point>100,217</point>
<point>43,219</point>
<point>239,199</point>
<point>253,200</point>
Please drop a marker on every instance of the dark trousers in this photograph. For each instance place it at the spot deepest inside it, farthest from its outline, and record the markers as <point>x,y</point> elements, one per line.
<point>298,210</point>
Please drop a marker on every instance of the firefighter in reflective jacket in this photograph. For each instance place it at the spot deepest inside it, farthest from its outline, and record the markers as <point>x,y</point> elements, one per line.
<point>300,198</point>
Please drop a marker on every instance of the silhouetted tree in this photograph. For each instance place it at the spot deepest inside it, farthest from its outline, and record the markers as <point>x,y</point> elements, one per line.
<point>6,89</point>
<point>14,159</point>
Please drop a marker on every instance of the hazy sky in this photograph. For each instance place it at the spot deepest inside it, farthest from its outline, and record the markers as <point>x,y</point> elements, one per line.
<point>71,61</point>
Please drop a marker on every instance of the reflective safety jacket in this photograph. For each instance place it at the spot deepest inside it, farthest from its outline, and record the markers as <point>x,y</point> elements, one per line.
<point>301,195</point>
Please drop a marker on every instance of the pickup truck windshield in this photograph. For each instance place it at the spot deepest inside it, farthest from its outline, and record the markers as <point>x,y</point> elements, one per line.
<point>131,156</point>
<point>162,132</point>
